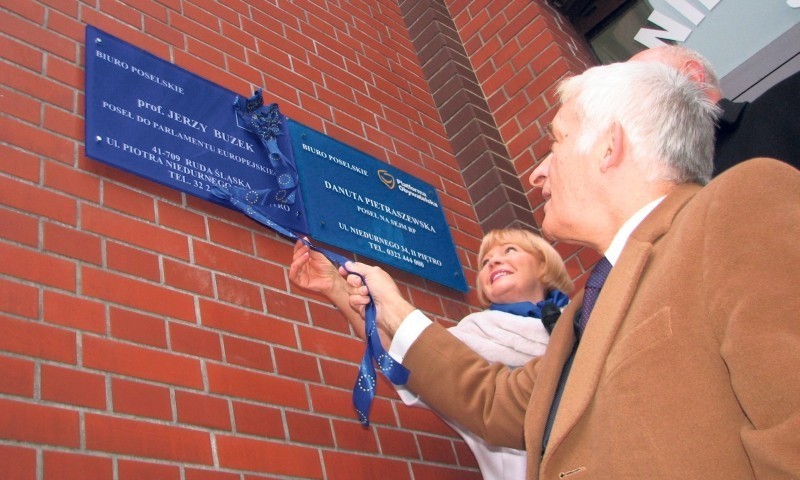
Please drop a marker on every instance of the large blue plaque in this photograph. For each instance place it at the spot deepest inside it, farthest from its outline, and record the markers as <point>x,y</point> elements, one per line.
<point>366,206</point>
<point>157,120</point>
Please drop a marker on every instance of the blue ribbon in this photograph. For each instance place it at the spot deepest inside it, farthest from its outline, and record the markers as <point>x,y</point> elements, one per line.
<point>530,309</point>
<point>364,388</point>
<point>266,124</point>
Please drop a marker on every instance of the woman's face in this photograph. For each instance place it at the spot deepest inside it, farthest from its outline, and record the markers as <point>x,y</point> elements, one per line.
<point>510,274</point>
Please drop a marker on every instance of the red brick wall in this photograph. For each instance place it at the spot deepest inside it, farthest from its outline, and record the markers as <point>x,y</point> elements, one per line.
<point>148,334</point>
<point>519,50</point>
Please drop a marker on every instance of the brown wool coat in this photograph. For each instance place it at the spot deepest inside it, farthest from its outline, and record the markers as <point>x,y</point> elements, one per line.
<point>690,365</point>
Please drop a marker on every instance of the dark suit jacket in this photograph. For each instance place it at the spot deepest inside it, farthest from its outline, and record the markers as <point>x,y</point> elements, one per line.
<point>769,126</point>
<point>690,364</point>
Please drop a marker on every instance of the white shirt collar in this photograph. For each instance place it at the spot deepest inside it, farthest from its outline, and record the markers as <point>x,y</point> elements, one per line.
<point>617,244</point>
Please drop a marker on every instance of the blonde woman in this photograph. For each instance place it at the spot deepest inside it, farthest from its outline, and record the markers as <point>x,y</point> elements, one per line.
<point>519,274</point>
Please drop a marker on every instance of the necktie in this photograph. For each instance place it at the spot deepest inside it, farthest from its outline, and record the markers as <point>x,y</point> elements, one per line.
<point>591,291</point>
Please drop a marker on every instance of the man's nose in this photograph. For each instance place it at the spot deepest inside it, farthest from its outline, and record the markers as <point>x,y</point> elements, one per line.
<point>539,173</point>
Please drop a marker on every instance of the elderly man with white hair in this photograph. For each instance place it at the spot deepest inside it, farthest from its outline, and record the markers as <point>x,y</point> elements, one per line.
<point>687,363</point>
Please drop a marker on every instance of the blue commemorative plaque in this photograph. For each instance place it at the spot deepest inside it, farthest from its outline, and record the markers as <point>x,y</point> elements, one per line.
<point>367,206</point>
<point>159,121</point>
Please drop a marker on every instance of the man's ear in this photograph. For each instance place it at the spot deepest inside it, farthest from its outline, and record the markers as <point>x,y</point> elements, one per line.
<point>614,144</point>
<point>695,71</point>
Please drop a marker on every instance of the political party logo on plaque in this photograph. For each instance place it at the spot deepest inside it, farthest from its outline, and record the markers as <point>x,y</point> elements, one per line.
<point>157,120</point>
<point>387,178</point>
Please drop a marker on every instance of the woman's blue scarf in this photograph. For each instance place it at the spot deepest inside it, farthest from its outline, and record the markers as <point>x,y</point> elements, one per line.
<point>530,309</point>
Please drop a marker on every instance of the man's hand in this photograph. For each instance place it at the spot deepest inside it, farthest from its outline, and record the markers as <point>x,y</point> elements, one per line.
<point>312,271</point>
<point>390,305</point>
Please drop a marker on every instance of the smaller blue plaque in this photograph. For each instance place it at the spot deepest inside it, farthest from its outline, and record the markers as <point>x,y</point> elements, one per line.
<point>372,208</point>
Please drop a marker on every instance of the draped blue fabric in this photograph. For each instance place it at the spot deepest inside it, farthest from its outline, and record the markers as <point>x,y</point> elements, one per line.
<point>266,123</point>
